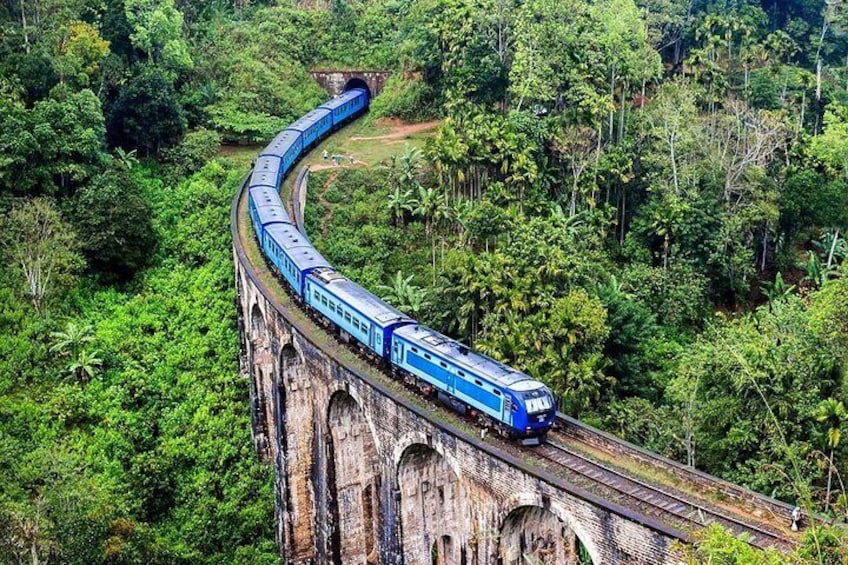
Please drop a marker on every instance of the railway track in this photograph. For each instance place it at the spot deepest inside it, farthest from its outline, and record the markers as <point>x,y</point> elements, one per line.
<point>665,504</point>
<point>668,507</point>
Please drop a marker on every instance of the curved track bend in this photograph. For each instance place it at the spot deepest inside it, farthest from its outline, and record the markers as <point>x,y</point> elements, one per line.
<point>581,455</point>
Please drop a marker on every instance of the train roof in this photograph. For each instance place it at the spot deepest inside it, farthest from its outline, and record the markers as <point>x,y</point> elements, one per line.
<point>267,164</point>
<point>309,119</point>
<point>263,178</point>
<point>272,214</point>
<point>296,246</point>
<point>464,357</point>
<point>375,309</point>
<point>280,144</point>
<point>343,98</point>
<point>269,207</point>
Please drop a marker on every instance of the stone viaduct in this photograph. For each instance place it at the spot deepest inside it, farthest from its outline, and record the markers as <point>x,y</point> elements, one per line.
<point>367,475</point>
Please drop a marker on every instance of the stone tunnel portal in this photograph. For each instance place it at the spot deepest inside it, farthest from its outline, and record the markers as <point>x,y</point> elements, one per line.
<point>357,82</point>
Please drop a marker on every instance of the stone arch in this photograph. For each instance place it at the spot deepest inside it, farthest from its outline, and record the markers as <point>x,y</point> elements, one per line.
<point>532,535</point>
<point>581,537</point>
<point>354,481</point>
<point>434,509</point>
<point>258,327</point>
<point>357,82</point>
<point>261,376</point>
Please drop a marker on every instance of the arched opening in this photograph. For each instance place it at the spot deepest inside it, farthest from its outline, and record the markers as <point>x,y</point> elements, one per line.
<point>443,552</point>
<point>257,323</point>
<point>354,482</point>
<point>434,509</point>
<point>357,82</point>
<point>288,357</point>
<point>283,493</point>
<point>260,416</point>
<point>532,535</point>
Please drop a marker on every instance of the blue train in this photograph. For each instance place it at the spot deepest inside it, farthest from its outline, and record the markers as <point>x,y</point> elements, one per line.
<point>473,384</point>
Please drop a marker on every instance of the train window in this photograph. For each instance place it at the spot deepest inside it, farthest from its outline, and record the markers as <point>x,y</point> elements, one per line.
<point>415,350</point>
<point>324,300</point>
<point>347,316</point>
<point>426,356</point>
<point>460,373</point>
<point>332,305</point>
<point>497,392</point>
<point>316,295</point>
<point>443,364</point>
<point>477,382</point>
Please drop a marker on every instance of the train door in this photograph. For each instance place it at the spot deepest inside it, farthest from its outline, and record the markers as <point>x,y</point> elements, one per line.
<point>372,338</point>
<point>506,415</point>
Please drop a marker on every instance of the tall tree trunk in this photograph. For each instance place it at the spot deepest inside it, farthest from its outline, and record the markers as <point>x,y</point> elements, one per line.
<point>24,26</point>
<point>832,249</point>
<point>829,479</point>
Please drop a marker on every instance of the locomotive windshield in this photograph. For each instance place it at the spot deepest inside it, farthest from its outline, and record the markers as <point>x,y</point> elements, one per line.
<point>537,401</point>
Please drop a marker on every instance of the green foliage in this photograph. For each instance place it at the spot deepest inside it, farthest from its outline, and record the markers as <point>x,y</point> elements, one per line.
<point>717,546</point>
<point>146,113</point>
<point>410,100</point>
<point>196,148</point>
<point>113,222</point>
<point>55,146</point>
<point>40,249</point>
<point>150,461</point>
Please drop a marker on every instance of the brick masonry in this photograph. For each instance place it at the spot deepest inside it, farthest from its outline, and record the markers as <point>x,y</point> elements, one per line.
<point>337,81</point>
<point>364,478</point>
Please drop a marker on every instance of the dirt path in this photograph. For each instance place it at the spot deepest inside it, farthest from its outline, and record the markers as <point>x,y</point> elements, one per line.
<point>400,130</point>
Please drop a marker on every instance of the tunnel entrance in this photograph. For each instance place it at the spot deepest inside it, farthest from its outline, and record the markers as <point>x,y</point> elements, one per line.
<point>357,82</point>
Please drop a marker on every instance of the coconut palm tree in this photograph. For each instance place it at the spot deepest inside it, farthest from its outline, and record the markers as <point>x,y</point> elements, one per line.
<point>832,413</point>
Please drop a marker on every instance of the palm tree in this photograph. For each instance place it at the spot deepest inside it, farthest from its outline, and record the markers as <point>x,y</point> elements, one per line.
<point>778,289</point>
<point>85,366</point>
<point>410,165</point>
<point>70,342</point>
<point>127,159</point>
<point>404,295</point>
<point>399,203</point>
<point>832,413</point>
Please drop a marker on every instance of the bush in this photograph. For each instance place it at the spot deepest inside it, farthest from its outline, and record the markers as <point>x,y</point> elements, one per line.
<point>195,150</point>
<point>411,100</point>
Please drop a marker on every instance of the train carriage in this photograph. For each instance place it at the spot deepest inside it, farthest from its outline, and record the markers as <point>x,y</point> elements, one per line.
<point>509,397</point>
<point>346,104</point>
<point>292,254</point>
<point>354,310</point>
<point>312,126</point>
<point>266,208</point>
<point>268,169</point>
<point>287,147</point>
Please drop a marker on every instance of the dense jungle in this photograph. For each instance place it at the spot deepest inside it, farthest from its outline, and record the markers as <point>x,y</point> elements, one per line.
<point>642,203</point>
